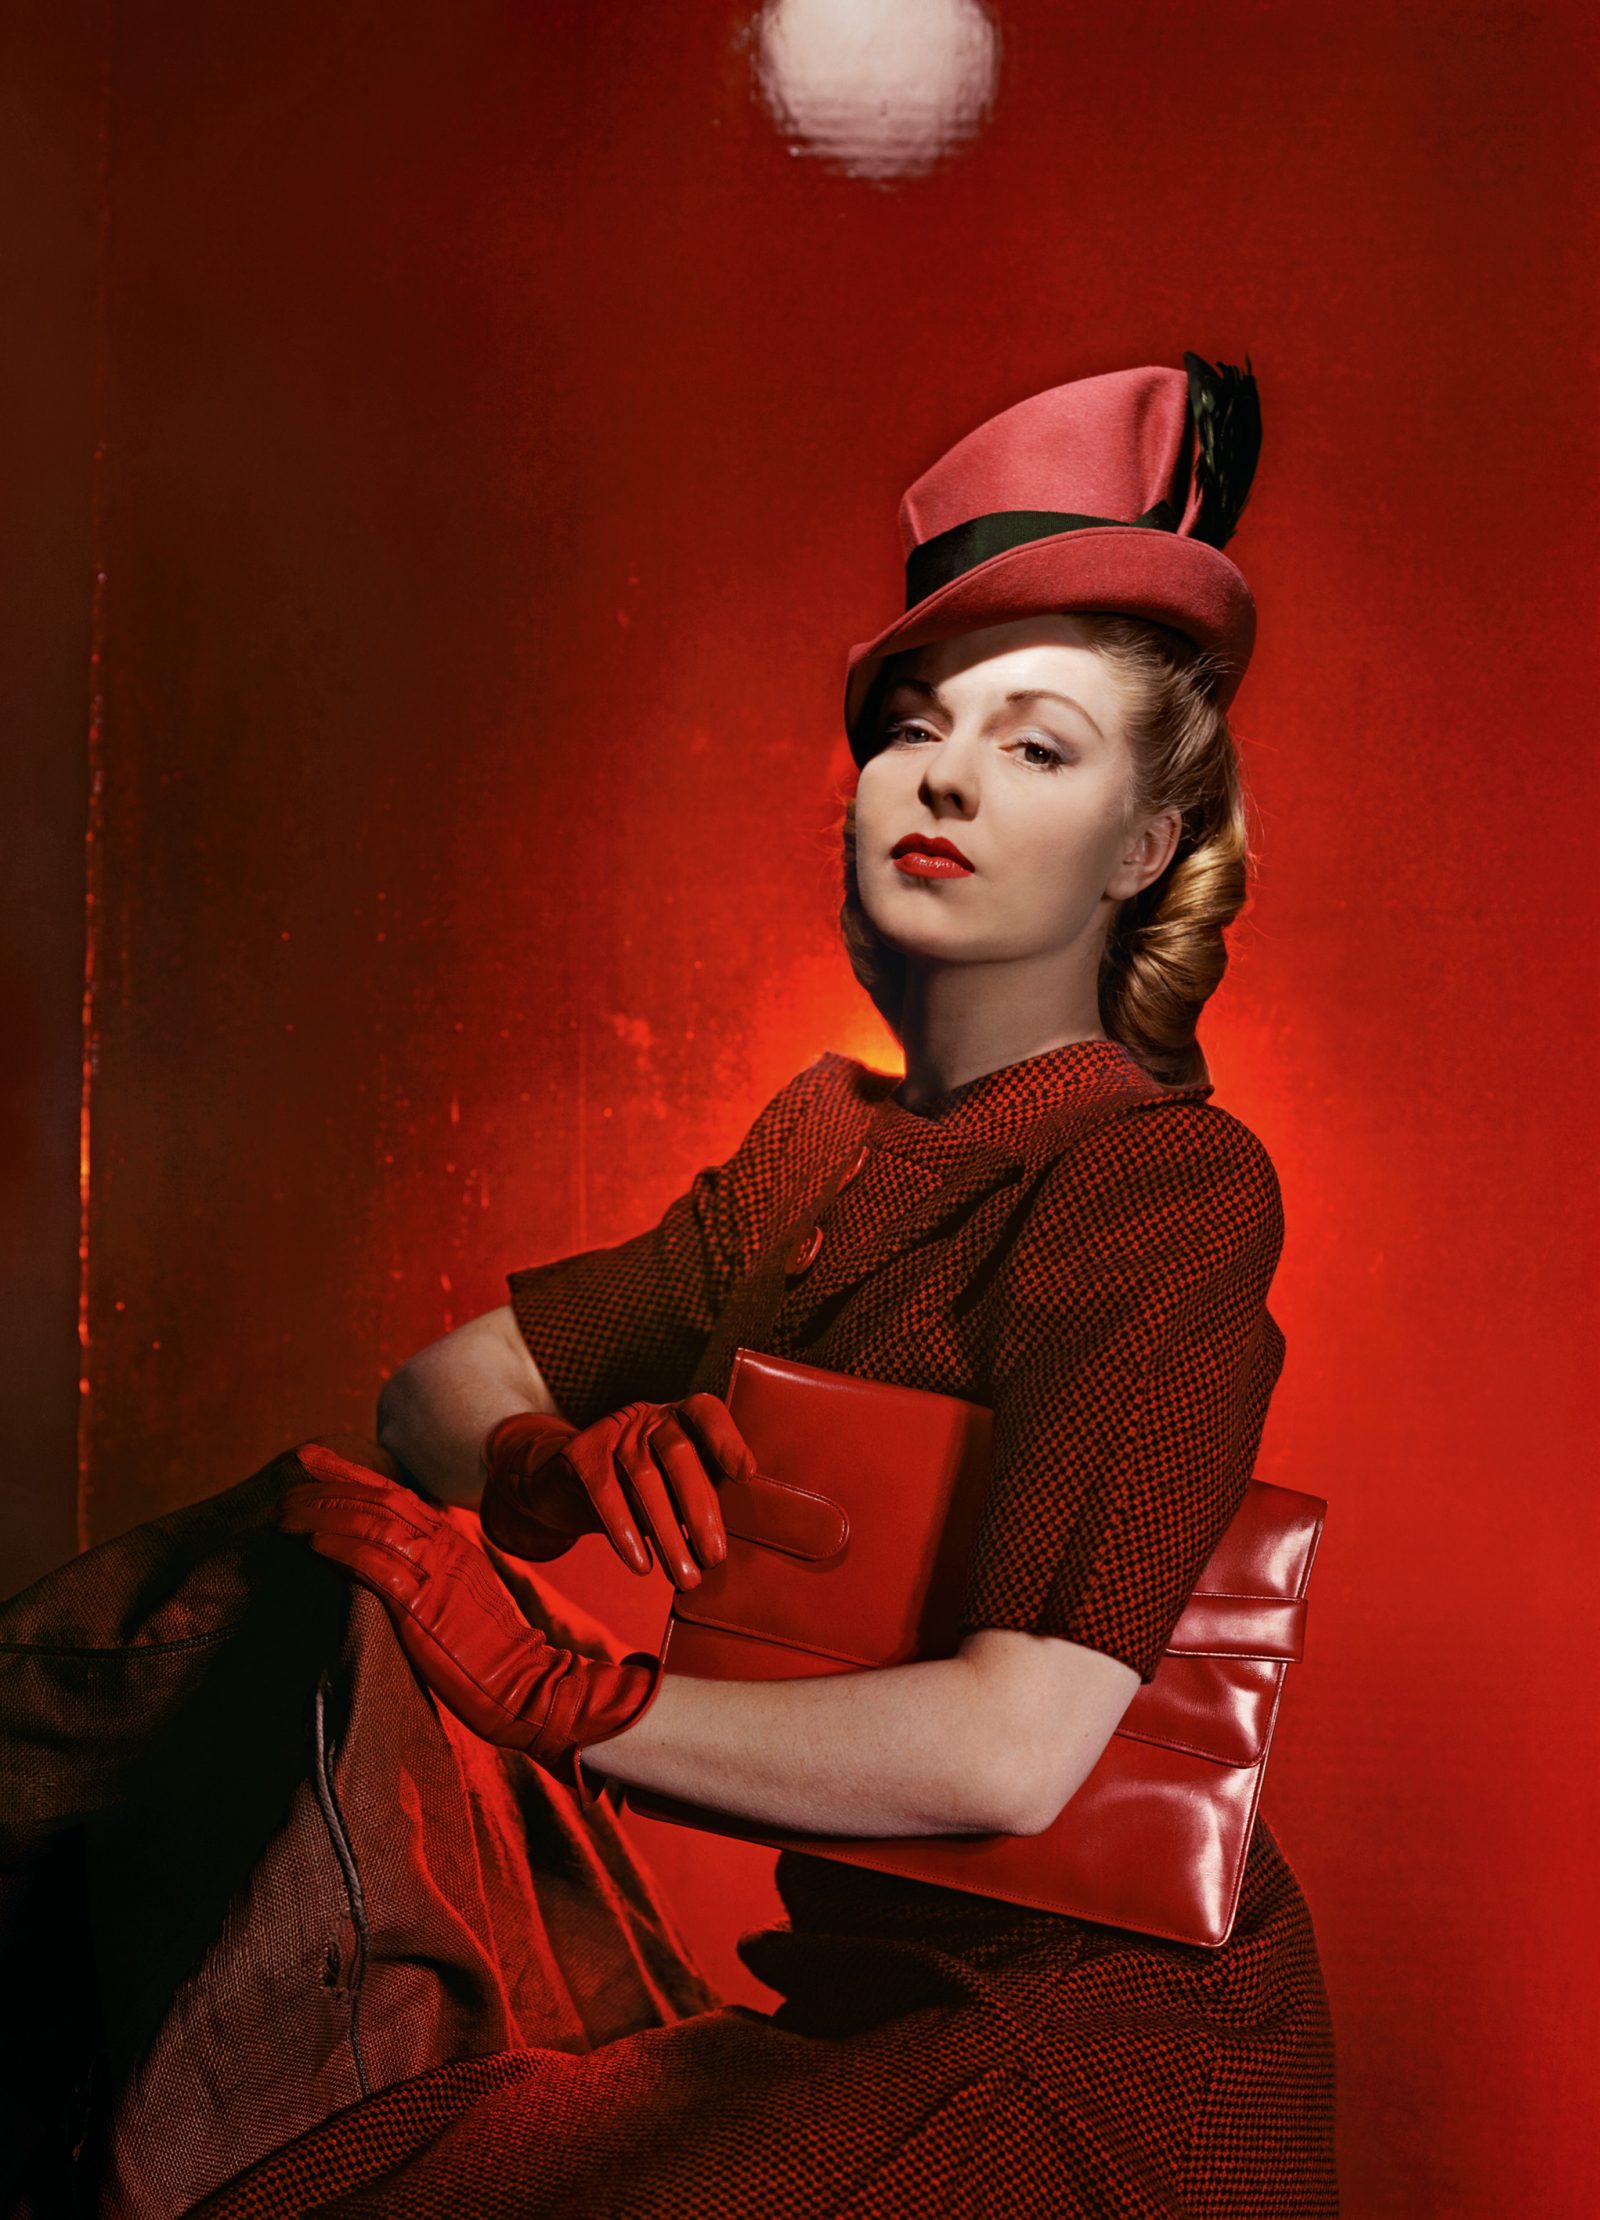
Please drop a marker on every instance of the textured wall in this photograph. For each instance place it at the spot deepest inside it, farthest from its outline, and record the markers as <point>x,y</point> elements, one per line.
<point>503,429</point>
<point>51,106</point>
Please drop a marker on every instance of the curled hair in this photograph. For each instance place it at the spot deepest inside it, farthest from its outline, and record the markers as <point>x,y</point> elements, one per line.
<point>1165,953</point>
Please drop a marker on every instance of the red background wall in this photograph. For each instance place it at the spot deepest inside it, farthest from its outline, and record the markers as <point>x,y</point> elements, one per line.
<point>500,432</point>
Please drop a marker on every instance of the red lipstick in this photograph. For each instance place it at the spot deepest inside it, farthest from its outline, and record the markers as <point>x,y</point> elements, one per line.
<point>921,856</point>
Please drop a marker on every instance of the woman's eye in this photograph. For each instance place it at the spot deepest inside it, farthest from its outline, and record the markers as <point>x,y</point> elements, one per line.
<point>1042,755</point>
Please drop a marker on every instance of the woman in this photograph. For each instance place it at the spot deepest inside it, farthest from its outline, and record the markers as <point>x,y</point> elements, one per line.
<point>1046,843</point>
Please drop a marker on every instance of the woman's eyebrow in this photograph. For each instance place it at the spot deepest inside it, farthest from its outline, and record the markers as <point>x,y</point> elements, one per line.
<point>1048,693</point>
<point>1020,694</point>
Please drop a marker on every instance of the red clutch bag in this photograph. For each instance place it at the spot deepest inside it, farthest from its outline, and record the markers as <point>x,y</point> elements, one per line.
<point>852,1550</point>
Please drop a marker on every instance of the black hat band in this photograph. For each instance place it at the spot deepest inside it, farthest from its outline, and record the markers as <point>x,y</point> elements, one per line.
<point>937,561</point>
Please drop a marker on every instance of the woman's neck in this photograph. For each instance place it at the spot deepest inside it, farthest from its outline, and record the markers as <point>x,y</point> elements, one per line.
<point>959,1021</point>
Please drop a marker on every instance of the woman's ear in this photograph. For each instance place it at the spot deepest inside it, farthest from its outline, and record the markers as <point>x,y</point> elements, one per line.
<point>1146,855</point>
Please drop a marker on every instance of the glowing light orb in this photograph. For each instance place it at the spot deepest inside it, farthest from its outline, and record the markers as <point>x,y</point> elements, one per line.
<point>876,88</point>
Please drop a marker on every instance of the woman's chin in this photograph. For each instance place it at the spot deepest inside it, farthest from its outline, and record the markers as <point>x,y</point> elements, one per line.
<point>928,940</point>
<point>918,917</point>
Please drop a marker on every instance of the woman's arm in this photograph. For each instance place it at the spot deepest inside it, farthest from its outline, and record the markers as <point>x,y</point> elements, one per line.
<point>436,1408</point>
<point>993,1740</point>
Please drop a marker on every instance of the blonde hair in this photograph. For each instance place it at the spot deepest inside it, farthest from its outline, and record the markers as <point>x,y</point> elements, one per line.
<point>1165,954</point>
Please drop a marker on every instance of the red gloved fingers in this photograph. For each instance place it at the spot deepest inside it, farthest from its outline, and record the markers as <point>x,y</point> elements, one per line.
<point>692,1490</point>
<point>712,1424</point>
<point>643,1475</point>
<point>691,1445</point>
<point>645,1486</point>
<point>407,1554</point>
<point>455,1618</point>
<point>309,1503</point>
<point>398,1524</point>
<point>467,1640</point>
<point>406,1525</point>
<point>591,1456</point>
<point>378,1567</point>
<point>361,1482</point>
<point>498,1681</point>
<point>646,1490</point>
<point>646,1476</point>
<point>459,1624</point>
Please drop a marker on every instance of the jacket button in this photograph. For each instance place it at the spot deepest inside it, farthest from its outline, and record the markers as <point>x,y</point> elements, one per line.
<point>803,1252</point>
<point>856,1166</point>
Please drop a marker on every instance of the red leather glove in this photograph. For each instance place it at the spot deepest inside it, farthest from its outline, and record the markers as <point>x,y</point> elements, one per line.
<point>648,1469</point>
<point>458,1623</point>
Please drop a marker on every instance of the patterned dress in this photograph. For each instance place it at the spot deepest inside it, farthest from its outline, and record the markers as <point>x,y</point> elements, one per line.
<point>1101,1281</point>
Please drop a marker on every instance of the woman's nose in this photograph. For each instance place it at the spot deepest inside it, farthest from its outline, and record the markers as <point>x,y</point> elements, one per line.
<point>950,778</point>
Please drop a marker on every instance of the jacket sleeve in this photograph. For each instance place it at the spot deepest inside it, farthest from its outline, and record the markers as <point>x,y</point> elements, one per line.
<point>1138,1359</point>
<point>611,1325</point>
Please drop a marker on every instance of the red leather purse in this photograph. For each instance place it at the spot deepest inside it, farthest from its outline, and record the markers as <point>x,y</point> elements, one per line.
<point>852,1550</point>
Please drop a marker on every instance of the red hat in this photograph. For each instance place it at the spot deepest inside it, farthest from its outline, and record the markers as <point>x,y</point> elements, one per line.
<point>1114,493</point>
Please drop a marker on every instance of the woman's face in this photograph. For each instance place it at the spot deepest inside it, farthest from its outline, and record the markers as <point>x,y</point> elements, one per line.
<point>1007,745</point>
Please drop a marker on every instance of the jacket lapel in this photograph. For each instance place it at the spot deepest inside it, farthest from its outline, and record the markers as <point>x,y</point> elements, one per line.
<point>952,1187</point>
<point>949,1192</point>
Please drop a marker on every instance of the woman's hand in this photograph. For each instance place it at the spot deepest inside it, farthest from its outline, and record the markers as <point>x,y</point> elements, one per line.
<point>650,1469</point>
<point>457,1621</point>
